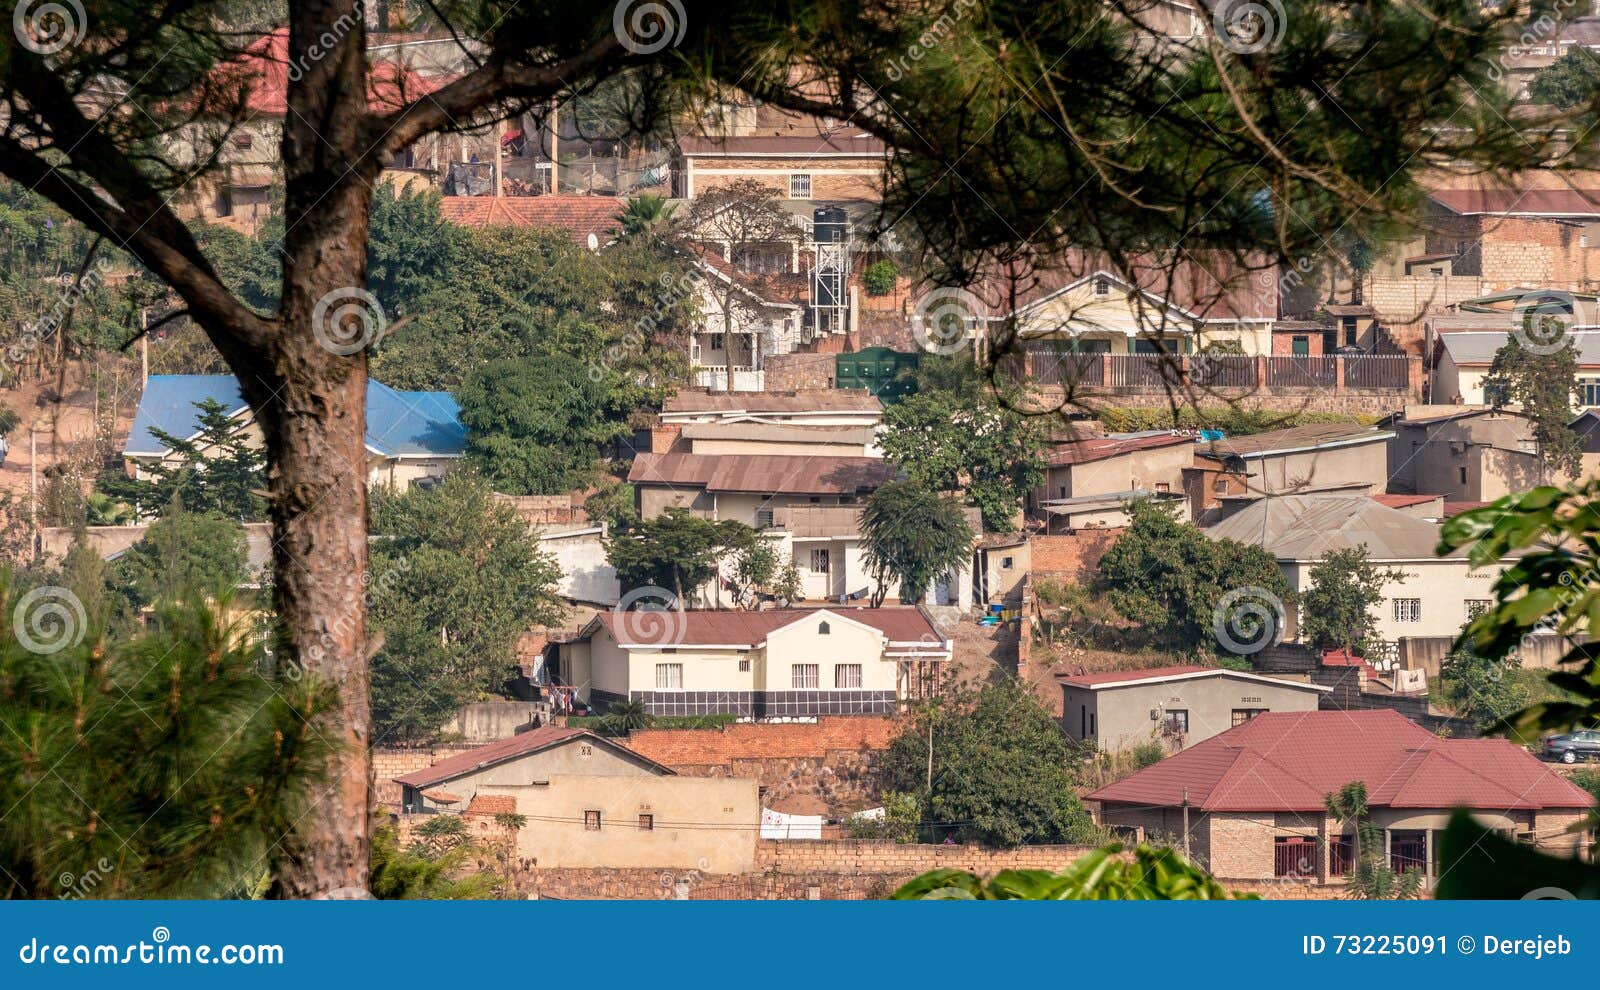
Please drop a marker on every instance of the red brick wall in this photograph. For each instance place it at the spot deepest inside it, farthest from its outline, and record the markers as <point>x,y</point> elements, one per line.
<point>388,764</point>
<point>1070,556</point>
<point>750,741</point>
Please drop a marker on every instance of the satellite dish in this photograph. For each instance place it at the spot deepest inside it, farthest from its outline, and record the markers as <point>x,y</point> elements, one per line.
<point>594,243</point>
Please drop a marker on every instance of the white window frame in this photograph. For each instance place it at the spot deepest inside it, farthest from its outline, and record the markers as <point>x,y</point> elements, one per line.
<point>846,673</point>
<point>802,673</point>
<point>822,556</point>
<point>669,672</point>
<point>798,180</point>
<point>1407,610</point>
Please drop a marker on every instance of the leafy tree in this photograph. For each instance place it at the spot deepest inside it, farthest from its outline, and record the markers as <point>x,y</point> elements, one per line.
<point>411,873</point>
<point>912,536</point>
<point>1570,81</point>
<point>623,717</point>
<point>645,216</point>
<point>535,428</point>
<point>457,576</point>
<point>193,759</point>
<point>1345,586</point>
<point>957,435</point>
<point>1481,689</point>
<point>1542,377</point>
<point>411,250</point>
<point>182,553</point>
<point>880,277</point>
<point>1154,874</point>
<point>613,503</point>
<point>1000,769</point>
<point>1370,876</point>
<point>676,551</point>
<point>758,568</point>
<point>218,470</point>
<point>1173,579</point>
<point>902,816</point>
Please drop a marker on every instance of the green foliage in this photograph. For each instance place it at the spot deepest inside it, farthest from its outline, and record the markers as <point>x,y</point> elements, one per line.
<point>902,817</point>
<point>411,250</point>
<point>1543,380</point>
<point>623,717</point>
<point>676,551</point>
<point>956,434</point>
<point>1172,579</point>
<point>880,277</point>
<point>456,578</point>
<point>1148,754</point>
<point>219,470</point>
<point>535,427</point>
<point>1000,769</point>
<point>645,216</point>
<point>1570,81</point>
<point>613,503</point>
<point>1477,863</point>
<point>1155,874</point>
<point>417,873</point>
<point>1229,419</point>
<point>1370,876</point>
<point>1481,689</point>
<point>1345,586</point>
<point>166,763</point>
<point>182,553</point>
<point>600,723</point>
<point>911,536</point>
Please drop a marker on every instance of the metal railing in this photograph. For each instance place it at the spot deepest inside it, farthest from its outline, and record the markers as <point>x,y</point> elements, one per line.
<point>1048,364</point>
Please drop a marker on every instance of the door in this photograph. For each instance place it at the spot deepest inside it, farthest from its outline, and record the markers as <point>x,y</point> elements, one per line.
<point>1300,347</point>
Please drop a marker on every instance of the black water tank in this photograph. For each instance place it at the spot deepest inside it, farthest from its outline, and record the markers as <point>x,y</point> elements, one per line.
<point>829,224</point>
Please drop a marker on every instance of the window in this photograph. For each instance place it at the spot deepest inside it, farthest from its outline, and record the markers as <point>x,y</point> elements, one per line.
<point>744,666</point>
<point>1476,607</point>
<point>669,677</point>
<point>1408,850</point>
<point>1408,610</point>
<point>1162,486</point>
<point>715,341</point>
<point>847,675</point>
<point>1589,391</point>
<point>1175,722</point>
<point>1436,272</point>
<point>819,561</point>
<point>647,823</point>
<point>1005,563</point>
<point>1461,474</point>
<point>243,141</point>
<point>591,821</point>
<point>1091,724</point>
<point>800,185</point>
<point>1220,486</point>
<point>1294,856</point>
<point>763,518</point>
<point>1102,287</point>
<point>585,750</point>
<point>803,676</point>
<point>1243,715</point>
<point>1083,721</point>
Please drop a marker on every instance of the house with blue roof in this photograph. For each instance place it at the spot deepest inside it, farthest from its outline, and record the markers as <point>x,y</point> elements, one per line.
<point>411,436</point>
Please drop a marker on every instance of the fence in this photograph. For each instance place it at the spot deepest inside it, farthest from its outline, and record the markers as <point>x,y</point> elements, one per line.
<point>1050,364</point>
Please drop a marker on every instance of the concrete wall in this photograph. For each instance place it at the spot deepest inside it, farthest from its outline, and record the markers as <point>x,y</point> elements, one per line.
<point>1443,586</point>
<point>586,575</point>
<point>488,721</point>
<point>579,756</point>
<point>1136,469</point>
<point>1122,714</point>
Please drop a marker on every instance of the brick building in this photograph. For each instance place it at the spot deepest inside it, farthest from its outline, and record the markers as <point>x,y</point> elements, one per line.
<point>1250,803</point>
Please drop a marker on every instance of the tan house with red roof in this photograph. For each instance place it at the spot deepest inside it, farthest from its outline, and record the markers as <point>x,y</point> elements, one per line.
<point>773,664</point>
<point>840,164</point>
<point>1250,803</point>
<point>1175,706</point>
<point>591,220</point>
<point>590,801</point>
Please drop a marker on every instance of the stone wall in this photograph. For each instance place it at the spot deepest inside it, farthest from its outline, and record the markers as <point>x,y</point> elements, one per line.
<point>799,372</point>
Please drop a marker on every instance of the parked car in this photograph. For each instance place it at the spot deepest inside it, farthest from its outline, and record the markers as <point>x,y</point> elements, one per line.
<point>1570,747</point>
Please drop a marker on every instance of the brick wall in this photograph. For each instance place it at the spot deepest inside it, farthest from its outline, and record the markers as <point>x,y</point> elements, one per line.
<point>1070,556</point>
<point>388,764</point>
<point>799,372</point>
<point>861,857</point>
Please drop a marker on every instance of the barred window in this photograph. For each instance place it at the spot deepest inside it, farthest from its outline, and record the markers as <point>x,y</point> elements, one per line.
<point>1408,610</point>
<point>591,821</point>
<point>800,185</point>
<point>804,676</point>
<point>847,675</point>
<point>669,676</point>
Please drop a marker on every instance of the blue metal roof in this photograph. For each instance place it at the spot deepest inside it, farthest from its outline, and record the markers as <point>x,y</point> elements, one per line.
<point>399,424</point>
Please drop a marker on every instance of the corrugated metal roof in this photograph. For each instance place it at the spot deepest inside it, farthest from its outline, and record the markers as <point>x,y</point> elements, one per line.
<point>511,748</point>
<point>1289,761</point>
<point>1310,436</point>
<point>579,215</point>
<point>757,403</point>
<point>763,474</point>
<point>1091,449</point>
<point>773,433</point>
<point>1305,527</point>
<point>1478,347</point>
<point>423,424</point>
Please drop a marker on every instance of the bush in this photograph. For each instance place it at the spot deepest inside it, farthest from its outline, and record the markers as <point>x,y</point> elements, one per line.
<point>902,816</point>
<point>604,723</point>
<point>1234,422</point>
<point>879,278</point>
<point>1148,754</point>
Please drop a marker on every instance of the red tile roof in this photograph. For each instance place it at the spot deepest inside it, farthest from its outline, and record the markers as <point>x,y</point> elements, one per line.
<point>763,474</point>
<point>837,144</point>
<point>1116,676</point>
<point>1207,286</point>
<point>580,215</point>
<point>699,748</point>
<point>1288,761</point>
<point>1093,449</point>
<point>1526,202</point>
<point>1455,508</point>
<point>263,67</point>
<point>708,627</point>
<point>500,751</point>
<point>1401,501</point>
<point>492,804</point>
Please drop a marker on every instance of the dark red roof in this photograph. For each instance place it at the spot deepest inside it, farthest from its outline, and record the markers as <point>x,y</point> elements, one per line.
<point>1289,761</point>
<point>263,67</point>
<point>795,145</point>
<point>492,804</point>
<point>1115,676</point>
<point>580,215</point>
<point>1209,286</point>
<point>764,474</point>
<point>1093,449</point>
<point>502,750</point>
<point>1531,202</point>
<point>1455,508</point>
<point>717,627</point>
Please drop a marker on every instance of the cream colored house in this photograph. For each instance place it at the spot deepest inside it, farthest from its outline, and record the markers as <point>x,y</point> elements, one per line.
<point>1466,453</point>
<point>1463,358</point>
<point>783,663</point>
<point>1089,481</point>
<point>411,436</point>
<point>1173,706</point>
